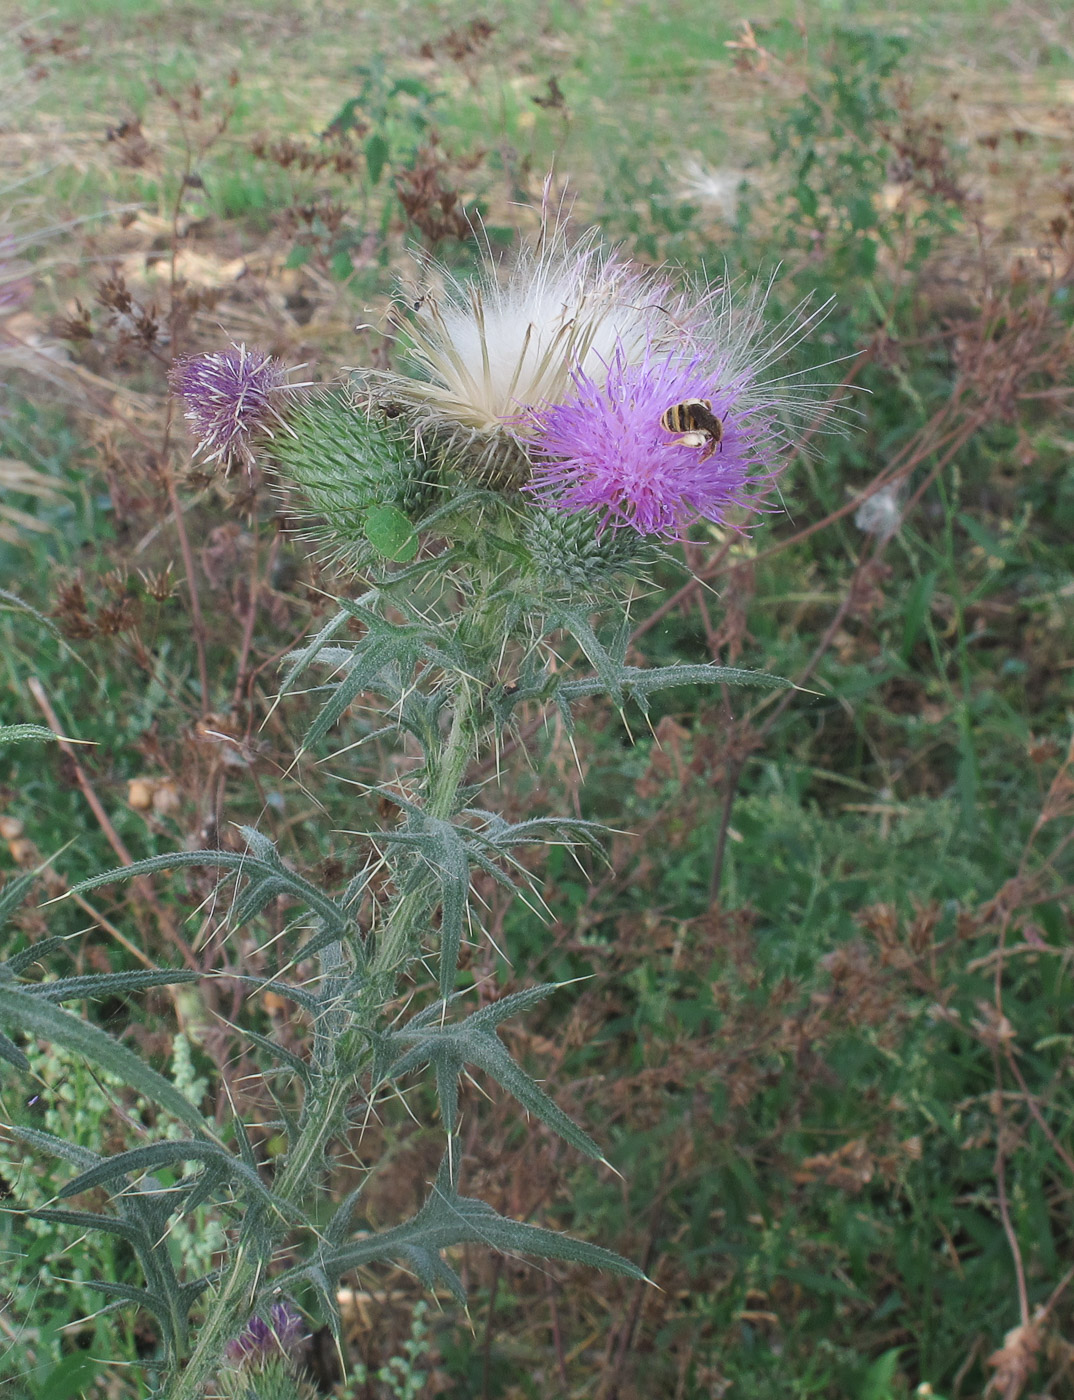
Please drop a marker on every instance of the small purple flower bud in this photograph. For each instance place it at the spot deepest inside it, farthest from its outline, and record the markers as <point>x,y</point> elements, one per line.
<point>261,1339</point>
<point>229,398</point>
<point>619,447</point>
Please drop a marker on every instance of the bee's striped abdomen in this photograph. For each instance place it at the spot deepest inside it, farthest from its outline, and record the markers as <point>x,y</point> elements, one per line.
<point>696,423</point>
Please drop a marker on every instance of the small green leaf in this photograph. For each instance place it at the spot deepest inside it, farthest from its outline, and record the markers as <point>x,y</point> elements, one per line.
<point>916,610</point>
<point>880,1378</point>
<point>346,118</point>
<point>412,87</point>
<point>865,256</point>
<point>376,156</point>
<point>807,200</point>
<point>391,534</point>
<point>71,1376</point>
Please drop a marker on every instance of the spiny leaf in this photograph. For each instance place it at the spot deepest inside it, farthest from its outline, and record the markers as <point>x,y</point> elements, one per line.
<point>513,1004</point>
<point>38,1017</point>
<point>309,1001</point>
<point>57,1146</point>
<point>152,1302</point>
<point>157,1154</point>
<point>278,1052</point>
<point>11,897</point>
<point>339,1227</point>
<point>18,733</point>
<point>367,662</point>
<point>10,1052</point>
<point>641,682</point>
<point>303,657</point>
<point>36,952</point>
<point>87,1220</point>
<point>189,1293</point>
<point>327,1293</point>
<point>448,1219</point>
<point>207,1182</point>
<point>261,866</point>
<point>448,1065</point>
<point>107,983</point>
<point>431,1269</point>
<point>474,1041</point>
<point>441,845</point>
<point>608,669</point>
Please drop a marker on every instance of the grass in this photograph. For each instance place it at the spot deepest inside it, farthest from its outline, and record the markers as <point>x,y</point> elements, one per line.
<point>822,1032</point>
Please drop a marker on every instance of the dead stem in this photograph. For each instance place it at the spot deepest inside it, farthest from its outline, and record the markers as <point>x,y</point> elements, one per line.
<point>37,690</point>
<point>197,622</point>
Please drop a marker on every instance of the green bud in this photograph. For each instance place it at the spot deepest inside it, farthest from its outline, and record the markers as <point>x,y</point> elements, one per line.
<point>569,550</point>
<point>273,1380</point>
<point>349,461</point>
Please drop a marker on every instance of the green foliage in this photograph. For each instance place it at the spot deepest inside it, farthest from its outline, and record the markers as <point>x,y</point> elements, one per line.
<point>403,1377</point>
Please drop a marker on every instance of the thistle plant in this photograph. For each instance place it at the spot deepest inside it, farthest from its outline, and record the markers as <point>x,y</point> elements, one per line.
<point>502,494</point>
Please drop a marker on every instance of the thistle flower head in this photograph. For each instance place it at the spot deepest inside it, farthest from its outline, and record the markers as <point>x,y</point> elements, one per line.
<point>489,349</point>
<point>265,1339</point>
<point>606,448</point>
<point>347,459</point>
<point>693,426</point>
<point>229,398</point>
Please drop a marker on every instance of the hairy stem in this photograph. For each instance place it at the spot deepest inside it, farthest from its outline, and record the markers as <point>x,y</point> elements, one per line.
<point>324,1114</point>
<point>230,1309</point>
<point>399,940</point>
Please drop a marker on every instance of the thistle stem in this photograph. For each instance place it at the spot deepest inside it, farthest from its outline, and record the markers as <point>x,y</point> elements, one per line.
<point>397,944</point>
<point>324,1114</point>
<point>231,1308</point>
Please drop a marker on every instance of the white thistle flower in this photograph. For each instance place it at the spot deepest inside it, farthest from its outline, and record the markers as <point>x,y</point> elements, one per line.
<point>488,349</point>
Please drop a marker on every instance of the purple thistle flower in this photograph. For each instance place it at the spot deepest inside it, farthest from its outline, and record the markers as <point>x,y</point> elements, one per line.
<point>228,398</point>
<point>606,450</point>
<point>262,1340</point>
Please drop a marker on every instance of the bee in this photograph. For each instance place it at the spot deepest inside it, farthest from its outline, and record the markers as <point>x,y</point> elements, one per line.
<point>695,423</point>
